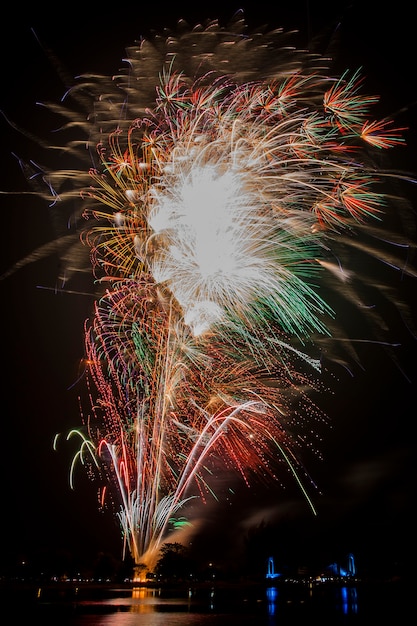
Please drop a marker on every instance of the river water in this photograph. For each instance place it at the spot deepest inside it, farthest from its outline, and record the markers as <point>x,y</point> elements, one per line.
<point>210,606</point>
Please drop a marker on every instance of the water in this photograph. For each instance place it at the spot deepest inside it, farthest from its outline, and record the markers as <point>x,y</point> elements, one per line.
<point>209,606</point>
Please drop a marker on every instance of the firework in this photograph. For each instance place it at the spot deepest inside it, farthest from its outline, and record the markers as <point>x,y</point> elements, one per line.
<point>230,179</point>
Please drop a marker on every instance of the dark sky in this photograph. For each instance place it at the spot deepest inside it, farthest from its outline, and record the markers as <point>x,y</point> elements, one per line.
<point>367,477</point>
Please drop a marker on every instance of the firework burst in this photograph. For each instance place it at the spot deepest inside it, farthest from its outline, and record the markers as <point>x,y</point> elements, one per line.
<point>228,175</point>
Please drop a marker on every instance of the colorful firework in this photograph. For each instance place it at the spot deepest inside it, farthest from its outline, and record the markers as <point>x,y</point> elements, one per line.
<point>227,187</point>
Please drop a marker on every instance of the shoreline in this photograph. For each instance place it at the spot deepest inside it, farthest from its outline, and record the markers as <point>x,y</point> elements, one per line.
<point>178,586</point>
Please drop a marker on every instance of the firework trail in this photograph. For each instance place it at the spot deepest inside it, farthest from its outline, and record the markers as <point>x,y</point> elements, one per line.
<point>228,186</point>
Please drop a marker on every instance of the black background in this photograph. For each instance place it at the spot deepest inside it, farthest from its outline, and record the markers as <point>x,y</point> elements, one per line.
<point>367,475</point>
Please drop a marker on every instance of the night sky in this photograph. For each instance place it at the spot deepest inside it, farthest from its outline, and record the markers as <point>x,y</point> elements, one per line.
<point>367,477</point>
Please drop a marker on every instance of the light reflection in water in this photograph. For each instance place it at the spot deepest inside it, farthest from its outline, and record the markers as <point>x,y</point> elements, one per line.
<point>271,596</point>
<point>152,619</point>
<point>143,606</point>
<point>349,600</point>
<point>150,603</point>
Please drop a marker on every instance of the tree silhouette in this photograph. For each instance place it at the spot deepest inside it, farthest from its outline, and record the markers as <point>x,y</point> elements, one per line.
<point>174,563</point>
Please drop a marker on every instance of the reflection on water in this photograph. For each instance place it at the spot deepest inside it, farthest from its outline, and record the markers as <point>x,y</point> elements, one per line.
<point>258,606</point>
<point>272,596</point>
<point>234,605</point>
<point>150,619</point>
<point>159,610</point>
<point>349,600</point>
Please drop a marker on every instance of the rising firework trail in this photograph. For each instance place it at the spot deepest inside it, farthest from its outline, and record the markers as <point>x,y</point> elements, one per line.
<point>229,191</point>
